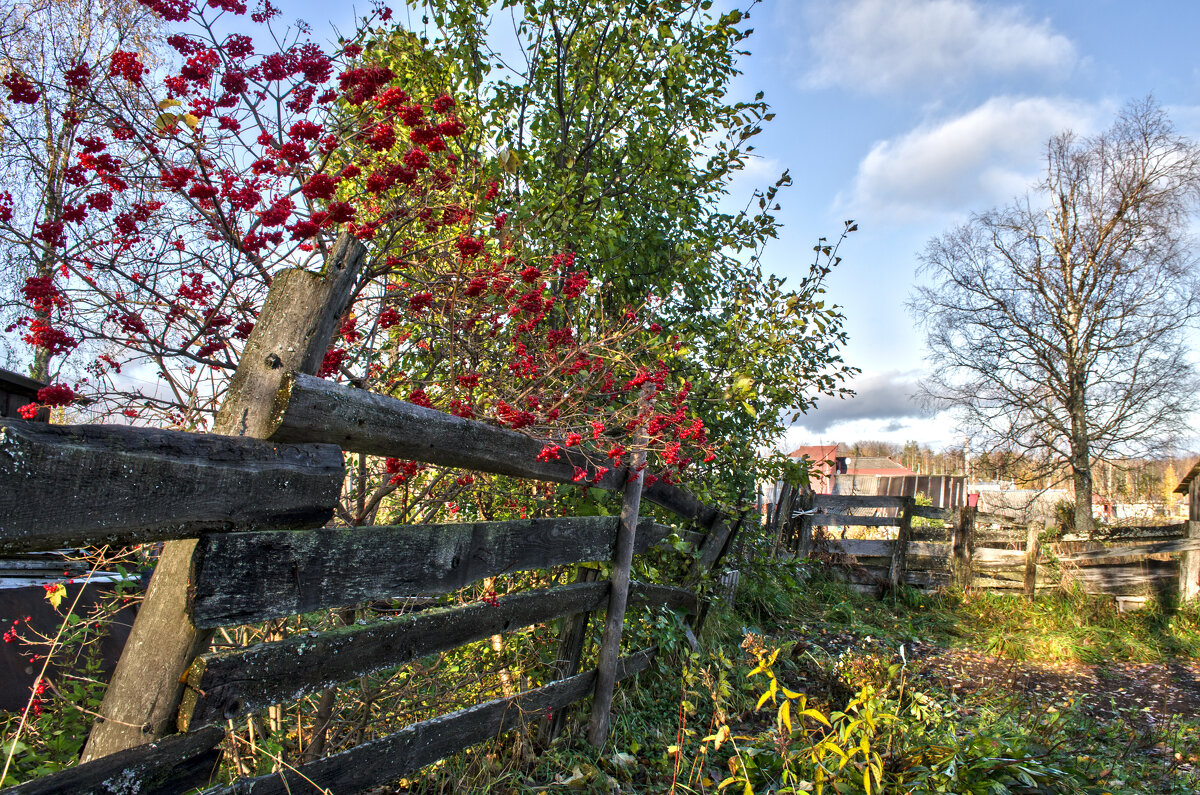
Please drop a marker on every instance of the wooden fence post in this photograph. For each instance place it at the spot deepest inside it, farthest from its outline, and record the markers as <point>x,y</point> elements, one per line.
<point>1189,568</point>
<point>570,652</point>
<point>962,544</point>
<point>610,644</point>
<point>804,523</point>
<point>779,517</point>
<point>1033,549</point>
<point>297,321</point>
<point>899,562</point>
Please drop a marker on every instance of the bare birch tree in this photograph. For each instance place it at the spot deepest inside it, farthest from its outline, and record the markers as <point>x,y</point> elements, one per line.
<point>1058,323</point>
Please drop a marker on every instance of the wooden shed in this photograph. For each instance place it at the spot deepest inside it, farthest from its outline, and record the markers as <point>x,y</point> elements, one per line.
<point>15,391</point>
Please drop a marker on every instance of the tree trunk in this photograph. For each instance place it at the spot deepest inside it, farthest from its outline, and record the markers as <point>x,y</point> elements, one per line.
<point>1084,523</point>
<point>1081,470</point>
<point>293,332</point>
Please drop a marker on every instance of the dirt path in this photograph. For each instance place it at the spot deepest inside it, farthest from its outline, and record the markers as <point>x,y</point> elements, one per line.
<point>1155,690</point>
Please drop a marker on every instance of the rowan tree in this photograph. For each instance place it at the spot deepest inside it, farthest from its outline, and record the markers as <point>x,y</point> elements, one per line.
<point>1057,324</point>
<point>619,133</point>
<point>44,127</point>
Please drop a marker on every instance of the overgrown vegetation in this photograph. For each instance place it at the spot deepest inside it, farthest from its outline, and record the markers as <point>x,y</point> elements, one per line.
<point>802,685</point>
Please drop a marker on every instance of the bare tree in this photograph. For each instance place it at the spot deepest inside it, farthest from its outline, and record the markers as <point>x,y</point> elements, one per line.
<point>1057,323</point>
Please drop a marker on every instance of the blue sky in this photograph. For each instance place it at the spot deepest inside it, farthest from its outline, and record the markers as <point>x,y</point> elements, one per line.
<point>908,115</point>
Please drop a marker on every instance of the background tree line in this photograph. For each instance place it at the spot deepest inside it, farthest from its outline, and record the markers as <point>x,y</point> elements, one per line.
<point>1139,479</point>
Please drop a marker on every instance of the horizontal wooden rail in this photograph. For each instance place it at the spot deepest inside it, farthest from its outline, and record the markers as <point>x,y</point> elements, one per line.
<point>178,763</point>
<point>1140,551</point>
<point>245,577</point>
<point>310,409</point>
<point>1151,577</point>
<point>77,485</point>
<point>388,758</point>
<point>882,548</point>
<point>847,501</point>
<point>842,520</point>
<point>226,685</point>
<point>931,512</point>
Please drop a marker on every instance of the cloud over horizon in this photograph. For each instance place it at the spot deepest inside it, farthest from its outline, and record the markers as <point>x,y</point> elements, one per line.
<point>881,46</point>
<point>880,396</point>
<point>883,410</point>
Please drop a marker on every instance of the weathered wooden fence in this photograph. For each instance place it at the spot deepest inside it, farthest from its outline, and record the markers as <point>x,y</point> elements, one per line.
<point>258,509</point>
<point>930,548</point>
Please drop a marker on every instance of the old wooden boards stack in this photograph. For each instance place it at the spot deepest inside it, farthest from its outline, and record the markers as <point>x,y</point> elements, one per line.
<point>948,549</point>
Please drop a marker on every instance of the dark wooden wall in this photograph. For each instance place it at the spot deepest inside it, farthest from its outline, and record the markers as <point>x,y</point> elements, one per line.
<point>15,391</point>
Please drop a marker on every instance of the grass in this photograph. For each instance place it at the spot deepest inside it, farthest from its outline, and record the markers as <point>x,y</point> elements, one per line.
<point>840,648</point>
<point>1064,746</point>
<point>1068,626</point>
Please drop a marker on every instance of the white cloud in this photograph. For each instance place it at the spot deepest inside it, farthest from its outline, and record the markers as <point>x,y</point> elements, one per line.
<point>980,158</point>
<point>1185,117</point>
<point>938,432</point>
<point>879,46</point>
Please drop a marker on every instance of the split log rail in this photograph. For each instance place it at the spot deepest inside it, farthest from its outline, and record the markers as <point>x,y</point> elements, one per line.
<point>257,509</point>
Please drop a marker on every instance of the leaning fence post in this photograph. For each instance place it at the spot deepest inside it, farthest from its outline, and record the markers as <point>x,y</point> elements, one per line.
<point>618,598</point>
<point>962,543</point>
<point>1032,550</point>
<point>781,515</point>
<point>294,328</point>
<point>900,551</point>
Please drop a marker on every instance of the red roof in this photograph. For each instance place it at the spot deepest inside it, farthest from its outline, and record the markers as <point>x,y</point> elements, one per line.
<point>876,465</point>
<point>820,453</point>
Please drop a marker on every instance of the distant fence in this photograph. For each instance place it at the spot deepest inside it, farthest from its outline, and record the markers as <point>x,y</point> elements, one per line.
<point>942,491</point>
<point>879,543</point>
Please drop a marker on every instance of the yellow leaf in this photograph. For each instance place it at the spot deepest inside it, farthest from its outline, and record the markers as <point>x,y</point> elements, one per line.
<point>168,103</point>
<point>785,716</point>
<point>842,754</point>
<point>817,716</point>
<point>716,739</point>
<point>509,160</point>
<point>191,120</point>
<point>55,595</point>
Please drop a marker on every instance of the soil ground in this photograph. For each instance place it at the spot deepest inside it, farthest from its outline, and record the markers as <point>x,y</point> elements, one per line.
<point>1157,690</point>
<point>1139,696</point>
